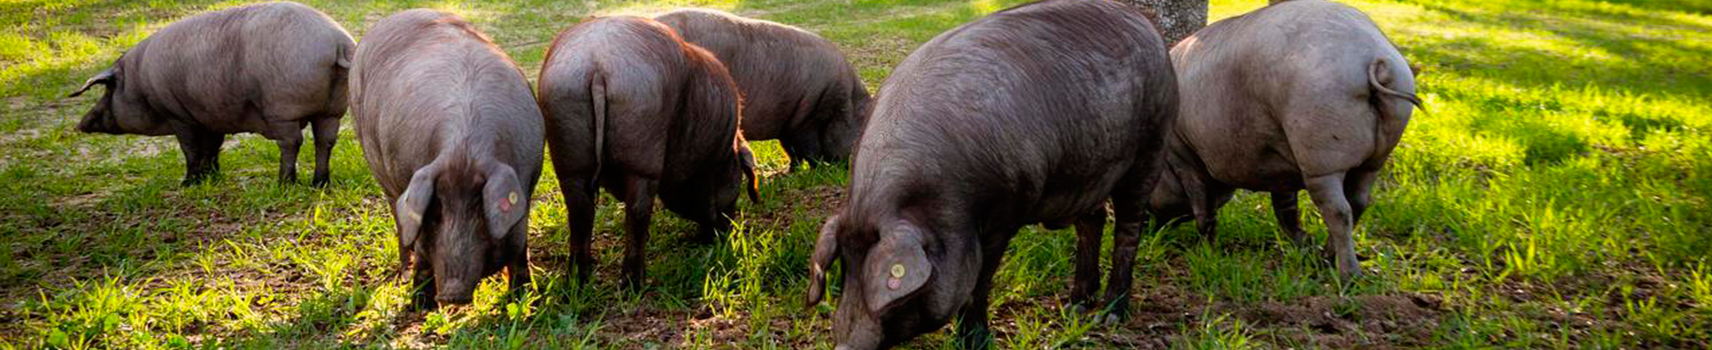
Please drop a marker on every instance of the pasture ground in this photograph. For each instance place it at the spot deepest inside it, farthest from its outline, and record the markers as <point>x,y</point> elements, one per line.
<point>1555,195</point>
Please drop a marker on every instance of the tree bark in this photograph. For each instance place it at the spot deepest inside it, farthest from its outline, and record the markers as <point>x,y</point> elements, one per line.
<point>1176,19</point>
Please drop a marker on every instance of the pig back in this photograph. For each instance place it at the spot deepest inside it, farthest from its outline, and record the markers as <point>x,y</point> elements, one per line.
<point>1033,112</point>
<point>1282,93</point>
<point>781,70</point>
<point>646,76</point>
<point>426,81</point>
<point>235,69</point>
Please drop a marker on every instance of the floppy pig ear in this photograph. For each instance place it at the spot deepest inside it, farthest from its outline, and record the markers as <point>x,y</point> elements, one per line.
<point>412,204</point>
<point>105,78</point>
<point>824,248</point>
<point>897,267</point>
<point>503,200</point>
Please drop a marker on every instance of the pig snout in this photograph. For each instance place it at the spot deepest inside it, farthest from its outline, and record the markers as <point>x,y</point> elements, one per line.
<point>94,123</point>
<point>455,291</point>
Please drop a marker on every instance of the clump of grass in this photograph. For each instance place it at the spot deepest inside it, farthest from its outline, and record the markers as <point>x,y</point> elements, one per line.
<point>1221,332</point>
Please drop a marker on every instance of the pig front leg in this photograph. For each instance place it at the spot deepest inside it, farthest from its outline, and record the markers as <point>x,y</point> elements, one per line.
<point>1328,194</point>
<point>1202,202</point>
<point>422,284</point>
<point>1359,188</point>
<point>201,153</point>
<point>1289,216</point>
<point>518,264</point>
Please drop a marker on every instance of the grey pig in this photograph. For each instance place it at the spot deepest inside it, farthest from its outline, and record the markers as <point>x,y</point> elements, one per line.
<point>451,130</point>
<point>268,68</point>
<point>797,87</point>
<point>1303,94</point>
<point>634,109</point>
<point>1035,114</point>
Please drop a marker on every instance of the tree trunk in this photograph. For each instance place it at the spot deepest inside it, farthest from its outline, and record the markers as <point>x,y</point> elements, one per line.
<point>1176,19</point>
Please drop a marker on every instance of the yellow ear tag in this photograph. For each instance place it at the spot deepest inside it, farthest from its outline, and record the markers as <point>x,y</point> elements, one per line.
<point>897,279</point>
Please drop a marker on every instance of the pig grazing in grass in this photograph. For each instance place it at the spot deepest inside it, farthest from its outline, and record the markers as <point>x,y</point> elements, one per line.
<point>634,109</point>
<point>269,68</point>
<point>451,130</point>
<point>1303,94</point>
<point>1038,113</point>
<point>797,87</point>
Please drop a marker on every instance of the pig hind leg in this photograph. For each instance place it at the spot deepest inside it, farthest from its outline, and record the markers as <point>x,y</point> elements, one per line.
<point>326,135</point>
<point>1329,137</point>
<point>1090,230</point>
<point>1329,196</point>
<point>289,136</point>
<point>1129,209</point>
<point>638,196</point>
<point>580,194</point>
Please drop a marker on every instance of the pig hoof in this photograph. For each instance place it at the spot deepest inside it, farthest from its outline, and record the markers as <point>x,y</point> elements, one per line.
<point>319,182</point>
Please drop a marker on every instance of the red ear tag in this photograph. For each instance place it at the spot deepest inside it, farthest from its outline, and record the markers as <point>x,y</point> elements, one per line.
<point>510,199</point>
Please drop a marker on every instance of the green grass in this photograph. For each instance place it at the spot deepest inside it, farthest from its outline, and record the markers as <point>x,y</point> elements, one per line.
<point>1555,196</point>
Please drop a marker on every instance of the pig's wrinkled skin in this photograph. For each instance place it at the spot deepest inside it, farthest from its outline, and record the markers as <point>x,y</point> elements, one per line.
<point>269,68</point>
<point>1303,94</point>
<point>626,99</point>
<point>797,87</point>
<point>1034,114</point>
<point>451,130</point>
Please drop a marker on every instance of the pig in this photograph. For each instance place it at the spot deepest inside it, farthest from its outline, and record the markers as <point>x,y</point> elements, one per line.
<point>1303,94</point>
<point>1034,114</point>
<point>633,108</point>
<point>797,87</point>
<point>450,128</point>
<point>269,68</point>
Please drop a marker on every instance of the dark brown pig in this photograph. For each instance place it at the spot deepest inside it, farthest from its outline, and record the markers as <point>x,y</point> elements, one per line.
<point>451,130</point>
<point>1038,113</point>
<point>631,105</point>
<point>797,87</point>
<point>1303,94</point>
<point>269,68</point>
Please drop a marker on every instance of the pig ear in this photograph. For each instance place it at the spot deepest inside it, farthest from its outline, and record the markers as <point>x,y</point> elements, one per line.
<point>103,78</point>
<point>748,159</point>
<point>824,248</point>
<point>413,204</point>
<point>503,200</point>
<point>897,267</point>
